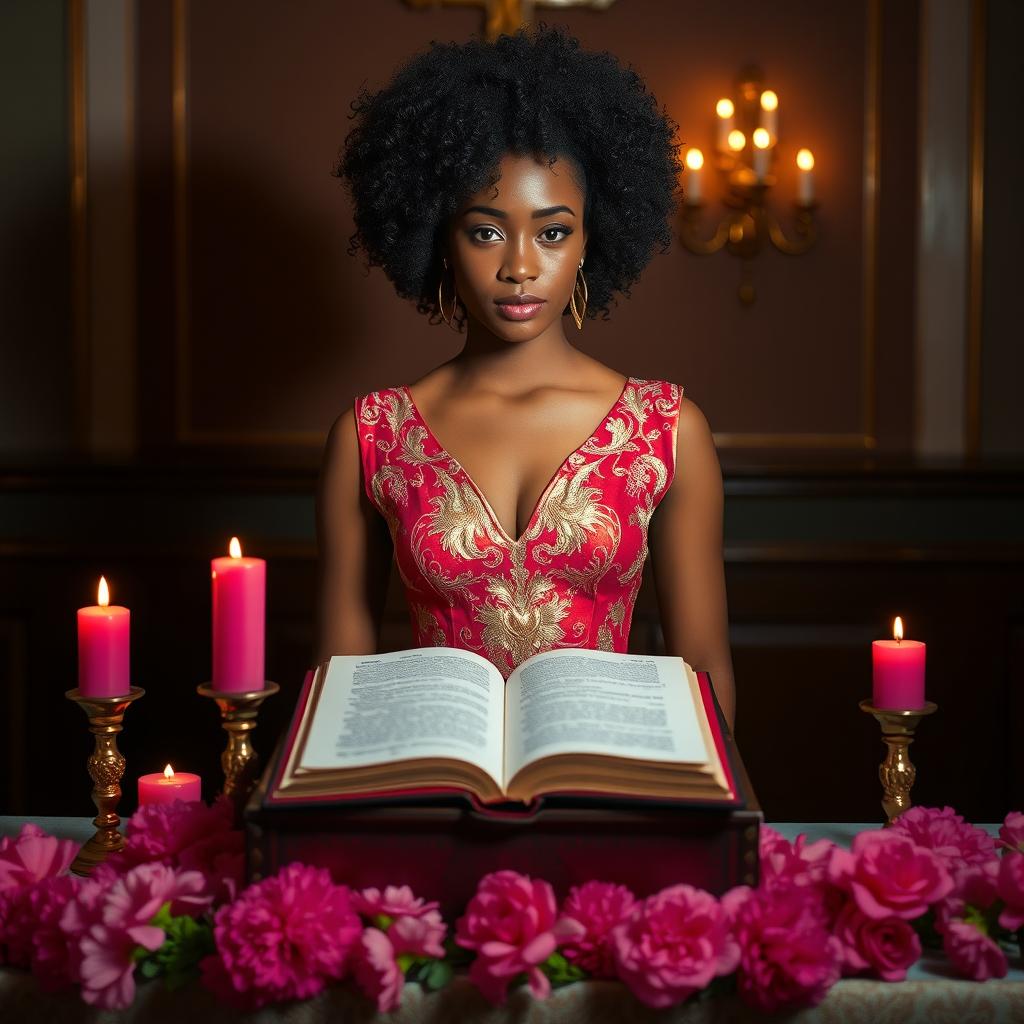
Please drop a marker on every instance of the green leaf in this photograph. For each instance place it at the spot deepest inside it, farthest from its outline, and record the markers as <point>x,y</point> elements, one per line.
<point>150,969</point>
<point>405,961</point>
<point>560,971</point>
<point>437,975</point>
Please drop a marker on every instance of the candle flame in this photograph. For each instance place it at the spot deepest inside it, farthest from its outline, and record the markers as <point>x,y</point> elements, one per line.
<point>724,108</point>
<point>805,160</point>
<point>103,593</point>
<point>897,629</point>
<point>761,138</point>
<point>769,100</point>
<point>694,159</point>
<point>168,772</point>
<point>234,548</point>
<point>737,140</point>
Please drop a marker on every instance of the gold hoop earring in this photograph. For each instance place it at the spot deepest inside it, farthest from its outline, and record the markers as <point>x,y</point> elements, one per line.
<point>455,298</point>
<point>579,314</point>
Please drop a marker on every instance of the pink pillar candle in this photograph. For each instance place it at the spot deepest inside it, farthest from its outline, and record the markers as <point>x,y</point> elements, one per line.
<point>103,637</point>
<point>898,672</point>
<point>239,621</point>
<point>164,788</point>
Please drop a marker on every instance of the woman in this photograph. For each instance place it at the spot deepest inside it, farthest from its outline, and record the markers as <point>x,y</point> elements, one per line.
<point>502,186</point>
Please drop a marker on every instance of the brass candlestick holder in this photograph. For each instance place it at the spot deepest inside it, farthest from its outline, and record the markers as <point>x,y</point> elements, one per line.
<point>238,712</point>
<point>106,766</point>
<point>896,772</point>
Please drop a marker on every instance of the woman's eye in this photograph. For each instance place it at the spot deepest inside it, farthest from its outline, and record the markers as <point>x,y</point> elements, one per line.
<point>491,233</point>
<point>555,230</point>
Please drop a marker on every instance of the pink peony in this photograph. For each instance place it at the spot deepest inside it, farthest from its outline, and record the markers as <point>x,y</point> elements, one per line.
<point>673,944</point>
<point>947,835</point>
<point>972,953</point>
<point>885,948</point>
<point>31,932</point>
<point>105,964</point>
<point>888,875</point>
<point>787,956</point>
<point>283,938</point>
<point>799,863</point>
<point>394,901</point>
<point>189,835</point>
<point>1011,834</point>
<point>376,971</point>
<point>599,907</point>
<point>32,856</point>
<point>1010,888</point>
<point>512,923</point>
<point>421,936</point>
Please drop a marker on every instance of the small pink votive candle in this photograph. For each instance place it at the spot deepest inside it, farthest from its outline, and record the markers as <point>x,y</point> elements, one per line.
<point>167,786</point>
<point>898,672</point>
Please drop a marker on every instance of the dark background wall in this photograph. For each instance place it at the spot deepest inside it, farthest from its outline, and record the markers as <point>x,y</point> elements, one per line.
<point>251,328</point>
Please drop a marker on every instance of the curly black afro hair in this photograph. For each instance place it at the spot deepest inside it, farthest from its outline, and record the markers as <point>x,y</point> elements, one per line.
<point>438,131</point>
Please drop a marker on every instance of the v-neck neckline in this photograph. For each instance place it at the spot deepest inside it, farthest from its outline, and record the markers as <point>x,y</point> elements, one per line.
<point>539,504</point>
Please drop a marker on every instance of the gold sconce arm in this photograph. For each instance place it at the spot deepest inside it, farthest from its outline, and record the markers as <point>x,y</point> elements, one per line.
<point>806,232</point>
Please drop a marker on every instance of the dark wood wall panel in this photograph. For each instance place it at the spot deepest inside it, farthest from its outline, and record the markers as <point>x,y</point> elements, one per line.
<point>265,296</point>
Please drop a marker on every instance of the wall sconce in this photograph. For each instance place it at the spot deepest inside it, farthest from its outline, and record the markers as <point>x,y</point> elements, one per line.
<point>747,133</point>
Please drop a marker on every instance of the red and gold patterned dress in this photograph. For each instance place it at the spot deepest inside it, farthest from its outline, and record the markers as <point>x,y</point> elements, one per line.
<point>571,578</point>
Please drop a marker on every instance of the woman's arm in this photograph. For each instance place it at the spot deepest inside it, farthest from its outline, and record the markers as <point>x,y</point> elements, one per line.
<point>686,546</point>
<point>355,550</point>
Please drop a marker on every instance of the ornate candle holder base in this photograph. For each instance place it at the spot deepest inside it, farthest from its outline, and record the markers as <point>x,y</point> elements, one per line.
<point>240,762</point>
<point>896,772</point>
<point>106,766</point>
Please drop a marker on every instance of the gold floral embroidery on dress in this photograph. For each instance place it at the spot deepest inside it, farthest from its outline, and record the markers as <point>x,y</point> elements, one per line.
<point>523,617</point>
<point>572,512</point>
<point>459,518</point>
<point>427,627</point>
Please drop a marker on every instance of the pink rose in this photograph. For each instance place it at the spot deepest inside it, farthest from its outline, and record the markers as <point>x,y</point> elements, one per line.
<point>394,901</point>
<point>799,863</point>
<point>947,835</point>
<point>886,948</point>
<point>1010,888</point>
<point>673,944</point>
<point>32,856</point>
<point>283,938</point>
<point>599,907</point>
<point>421,936</point>
<point>375,969</point>
<point>1011,834</point>
<point>972,953</point>
<point>788,958</point>
<point>890,876</point>
<point>512,923</point>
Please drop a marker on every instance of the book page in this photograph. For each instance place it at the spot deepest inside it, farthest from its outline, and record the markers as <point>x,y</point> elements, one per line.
<point>425,703</point>
<point>594,702</point>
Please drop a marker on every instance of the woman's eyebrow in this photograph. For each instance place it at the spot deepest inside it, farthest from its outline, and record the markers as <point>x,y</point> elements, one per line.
<point>546,212</point>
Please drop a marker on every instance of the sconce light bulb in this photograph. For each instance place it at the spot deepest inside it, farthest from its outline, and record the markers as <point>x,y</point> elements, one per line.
<point>805,160</point>
<point>769,100</point>
<point>694,159</point>
<point>737,140</point>
<point>761,138</point>
<point>724,108</point>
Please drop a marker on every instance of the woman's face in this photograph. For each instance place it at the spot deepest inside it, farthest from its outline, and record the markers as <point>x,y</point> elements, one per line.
<point>526,240</point>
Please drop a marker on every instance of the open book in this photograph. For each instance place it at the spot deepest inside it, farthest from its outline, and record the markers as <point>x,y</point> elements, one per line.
<point>566,721</point>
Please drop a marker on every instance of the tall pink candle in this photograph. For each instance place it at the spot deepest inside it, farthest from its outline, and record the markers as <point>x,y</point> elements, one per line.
<point>103,638</point>
<point>239,620</point>
<point>898,671</point>
<point>167,786</point>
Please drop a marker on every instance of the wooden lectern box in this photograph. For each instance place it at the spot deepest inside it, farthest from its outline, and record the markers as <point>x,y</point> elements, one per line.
<point>443,844</point>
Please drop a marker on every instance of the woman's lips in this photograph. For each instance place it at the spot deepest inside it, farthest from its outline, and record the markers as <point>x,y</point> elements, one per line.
<point>519,311</point>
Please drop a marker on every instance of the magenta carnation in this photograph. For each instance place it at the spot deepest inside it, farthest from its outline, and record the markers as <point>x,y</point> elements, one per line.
<point>513,925</point>
<point>32,856</point>
<point>889,875</point>
<point>1010,888</point>
<point>788,958</point>
<point>785,863</point>
<point>421,936</point>
<point>972,953</point>
<point>31,932</point>
<point>1011,833</point>
<point>376,971</point>
<point>283,938</point>
<point>598,907</point>
<point>885,948</point>
<point>394,901</point>
<point>673,944</point>
<point>947,835</point>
